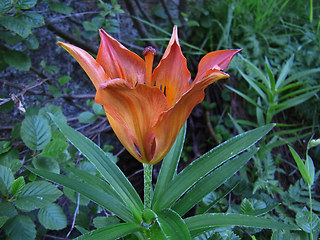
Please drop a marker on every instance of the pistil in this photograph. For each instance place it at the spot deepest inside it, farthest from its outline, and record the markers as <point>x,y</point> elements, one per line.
<point>149,53</point>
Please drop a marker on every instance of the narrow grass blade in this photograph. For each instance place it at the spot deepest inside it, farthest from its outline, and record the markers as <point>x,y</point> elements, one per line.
<point>258,72</point>
<point>248,99</point>
<point>103,198</point>
<point>258,87</point>
<point>108,169</point>
<point>284,72</point>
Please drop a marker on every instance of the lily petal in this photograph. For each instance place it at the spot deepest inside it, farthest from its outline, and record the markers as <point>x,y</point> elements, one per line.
<point>134,111</point>
<point>88,63</point>
<point>118,62</point>
<point>215,60</point>
<point>170,122</point>
<point>172,75</point>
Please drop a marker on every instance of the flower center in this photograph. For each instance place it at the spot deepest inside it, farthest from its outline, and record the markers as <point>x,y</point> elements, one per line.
<point>149,53</point>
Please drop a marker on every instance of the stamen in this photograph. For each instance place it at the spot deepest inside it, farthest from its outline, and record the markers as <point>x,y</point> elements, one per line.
<point>149,53</point>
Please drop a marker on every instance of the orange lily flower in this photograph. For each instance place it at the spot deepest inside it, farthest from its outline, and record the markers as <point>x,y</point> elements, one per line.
<point>146,108</point>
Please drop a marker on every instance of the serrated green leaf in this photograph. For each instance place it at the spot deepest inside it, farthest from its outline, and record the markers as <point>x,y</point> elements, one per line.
<point>75,197</point>
<point>17,59</point>
<point>102,221</point>
<point>55,92</point>
<point>16,25</point>
<point>246,207</point>
<point>17,186</point>
<point>26,4</point>
<point>60,8</point>
<point>37,194</point>
<point>54,148</point>
<point>33,19</point>
<point>6,180</point>
<point>35,132</point>
<point>5,146</point>
<point>5,5</point>
<point>54,110</point>
<point>47,164</point>
<point>3,220</point>
<point>87,117</point>
<point>7,209</point>
<point>52,217</point>
<point>64,79</point>
<point>32,42</point>
<point>11,160</point>
<point>20,227</point>
<point>305,222</point>
<point>172,225</point>
<point>112,232</point>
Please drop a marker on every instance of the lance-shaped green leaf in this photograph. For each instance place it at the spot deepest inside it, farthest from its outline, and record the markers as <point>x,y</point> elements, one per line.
<point>211,182</point>
<point>103,198</point>
<point>169,164</point>
<point>108,169</point>
<point>206,163</point>
<point>302,168</point>
<point>172,225</point>
<point>112,232</point>
<point>208,221</point>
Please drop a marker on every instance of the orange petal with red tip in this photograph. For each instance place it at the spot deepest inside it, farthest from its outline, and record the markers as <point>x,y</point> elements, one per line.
<point>171,121</point>
<point>118,62</point>
<point>172,75</point>
<point>215,60</point>
<point>88,63</point>
<point>134,111</point>
<point>174,39</point>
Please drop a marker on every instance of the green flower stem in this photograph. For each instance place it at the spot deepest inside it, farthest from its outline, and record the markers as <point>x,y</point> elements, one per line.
<point>311,215</point>
<point>147,184</point>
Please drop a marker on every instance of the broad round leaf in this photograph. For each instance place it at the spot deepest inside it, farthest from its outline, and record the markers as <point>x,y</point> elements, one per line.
<point>21,227</point>
<point>37,195</point>
<point>17,59</point>
<point>6,180</point>
<point>47,164</point>
<point>16,25</point>
<point>35,132</point>
<point>54,148</point>
<point>52,217</point>
<point>87,117</point>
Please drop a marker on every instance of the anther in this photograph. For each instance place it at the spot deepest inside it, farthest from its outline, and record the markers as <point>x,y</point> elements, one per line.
<point>149,49</point>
